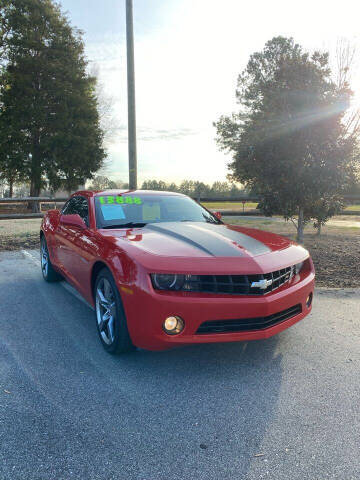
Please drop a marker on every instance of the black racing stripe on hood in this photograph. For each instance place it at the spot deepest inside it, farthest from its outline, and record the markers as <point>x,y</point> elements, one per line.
<point>253,246</point>
<point>181,234</point>
<point>211,239</point>
<point>215,240</point>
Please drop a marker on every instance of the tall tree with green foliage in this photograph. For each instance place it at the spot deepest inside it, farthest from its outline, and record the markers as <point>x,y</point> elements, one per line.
<point>288,142</point>
<point>11,157</point>
<point>47,96</point>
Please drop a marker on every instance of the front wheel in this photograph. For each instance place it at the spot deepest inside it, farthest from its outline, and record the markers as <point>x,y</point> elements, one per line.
<point>47,270</point>
<point>110,315</point>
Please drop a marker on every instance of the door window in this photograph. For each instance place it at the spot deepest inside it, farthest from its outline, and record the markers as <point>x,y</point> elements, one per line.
<point>77,205</point>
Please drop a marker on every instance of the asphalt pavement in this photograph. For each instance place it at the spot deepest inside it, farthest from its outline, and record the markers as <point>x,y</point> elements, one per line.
<point>283,408</point>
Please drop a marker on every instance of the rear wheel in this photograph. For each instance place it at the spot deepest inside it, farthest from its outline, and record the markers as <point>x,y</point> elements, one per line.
<point>47,270</point>
<point>110,315</point>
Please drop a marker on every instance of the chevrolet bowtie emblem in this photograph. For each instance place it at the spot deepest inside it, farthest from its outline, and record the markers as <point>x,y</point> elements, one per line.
<point>263,284</point>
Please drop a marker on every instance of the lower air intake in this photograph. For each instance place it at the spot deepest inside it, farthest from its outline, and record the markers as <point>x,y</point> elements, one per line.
<point>248,324</point>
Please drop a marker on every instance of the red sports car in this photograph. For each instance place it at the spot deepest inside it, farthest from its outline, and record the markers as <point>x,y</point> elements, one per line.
<point>162,271</point>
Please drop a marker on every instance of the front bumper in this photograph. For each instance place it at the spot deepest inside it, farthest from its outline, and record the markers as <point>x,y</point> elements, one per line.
<point>147,309</point>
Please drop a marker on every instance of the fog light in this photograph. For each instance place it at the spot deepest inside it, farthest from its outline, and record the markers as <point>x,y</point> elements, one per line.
<point>173,325</point>
<point>309,300</point>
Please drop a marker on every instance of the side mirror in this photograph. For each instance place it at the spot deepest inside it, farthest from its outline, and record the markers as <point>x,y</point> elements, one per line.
<point>218,215</point>
<point>73,221</point>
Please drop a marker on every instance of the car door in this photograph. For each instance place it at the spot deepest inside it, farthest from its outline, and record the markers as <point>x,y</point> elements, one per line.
<point>74,243</point>
<point>63,237</point>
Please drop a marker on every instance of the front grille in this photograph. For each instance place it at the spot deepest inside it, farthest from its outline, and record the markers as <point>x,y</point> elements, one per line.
<point>238,284</point>
<point>248,324</point>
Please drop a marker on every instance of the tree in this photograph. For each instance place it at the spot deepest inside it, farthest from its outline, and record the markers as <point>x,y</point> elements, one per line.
<point>289,142</point>
<point>49,99</point>
<point>172,187</point>
<point>100,182</point>
<point>11,157</point>
<point>154,185</point>
<point>187,187</point>
<point>200,189</point>
<point>122,185</point>
<point>324,208</point>
<point>220,189</point>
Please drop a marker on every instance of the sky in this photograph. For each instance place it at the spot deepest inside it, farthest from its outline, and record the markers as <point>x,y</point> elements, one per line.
<point>188,55</point>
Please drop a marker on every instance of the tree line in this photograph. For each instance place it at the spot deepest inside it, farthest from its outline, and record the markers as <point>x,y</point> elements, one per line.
<point>198,189</point>
<point>50,134</point>
<point>192,188</point>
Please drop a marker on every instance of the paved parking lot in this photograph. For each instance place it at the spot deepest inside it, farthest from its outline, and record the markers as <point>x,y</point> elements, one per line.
<point>284,408</point>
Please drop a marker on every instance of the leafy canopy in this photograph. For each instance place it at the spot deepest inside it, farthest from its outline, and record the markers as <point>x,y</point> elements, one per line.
<point>288,141</point>
<point>46,96</point>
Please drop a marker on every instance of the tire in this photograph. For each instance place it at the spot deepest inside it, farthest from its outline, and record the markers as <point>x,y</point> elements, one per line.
<point>110,315</point>
<point>47,270</point>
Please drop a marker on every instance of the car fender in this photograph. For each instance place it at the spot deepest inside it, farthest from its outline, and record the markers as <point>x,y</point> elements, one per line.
<point>48,227</point>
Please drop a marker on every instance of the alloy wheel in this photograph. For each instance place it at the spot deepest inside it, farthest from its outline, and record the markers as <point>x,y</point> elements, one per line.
<point>105,311</point>
<point>44,257</point>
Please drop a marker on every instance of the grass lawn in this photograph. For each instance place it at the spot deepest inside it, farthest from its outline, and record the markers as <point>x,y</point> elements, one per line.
<point>353,207</point>
<point>341,224</point>
<point>251,206</point>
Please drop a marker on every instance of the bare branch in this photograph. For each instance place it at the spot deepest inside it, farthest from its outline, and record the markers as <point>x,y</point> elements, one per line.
<point>293,222</point>
<point>108,120</point>
<point>352,124</point>
<point>346,55</point>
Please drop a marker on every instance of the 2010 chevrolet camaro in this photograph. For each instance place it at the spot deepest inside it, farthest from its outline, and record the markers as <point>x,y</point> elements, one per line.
<point>162,271</point>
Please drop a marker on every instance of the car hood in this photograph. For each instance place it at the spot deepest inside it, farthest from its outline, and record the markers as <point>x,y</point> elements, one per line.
<point>198,239</point>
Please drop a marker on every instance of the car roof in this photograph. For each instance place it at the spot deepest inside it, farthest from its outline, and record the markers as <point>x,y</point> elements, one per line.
<point>96,193</point>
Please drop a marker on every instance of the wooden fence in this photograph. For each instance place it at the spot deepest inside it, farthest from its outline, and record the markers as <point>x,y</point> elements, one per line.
<point>229,212</point>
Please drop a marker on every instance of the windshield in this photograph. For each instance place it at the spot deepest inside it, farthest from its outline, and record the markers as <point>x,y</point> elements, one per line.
<point>136,210</point>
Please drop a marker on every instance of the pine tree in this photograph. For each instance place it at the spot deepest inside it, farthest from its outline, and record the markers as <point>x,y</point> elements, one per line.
<point>47,98</point>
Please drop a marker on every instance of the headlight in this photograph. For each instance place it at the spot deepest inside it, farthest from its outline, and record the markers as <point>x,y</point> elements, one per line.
<point>167,281</point>
<point>298,267</point>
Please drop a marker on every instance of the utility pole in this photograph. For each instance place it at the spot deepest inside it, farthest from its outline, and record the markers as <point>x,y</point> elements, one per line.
<point>131,96</point>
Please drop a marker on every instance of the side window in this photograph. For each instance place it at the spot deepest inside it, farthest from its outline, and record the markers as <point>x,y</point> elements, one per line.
<point>77,205</point>
<point>67,208</point>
